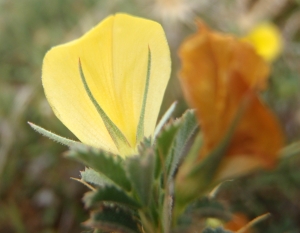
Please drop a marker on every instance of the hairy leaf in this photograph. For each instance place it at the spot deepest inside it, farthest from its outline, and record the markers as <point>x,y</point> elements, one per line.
<point>109,194</point>
<point>107,164</point>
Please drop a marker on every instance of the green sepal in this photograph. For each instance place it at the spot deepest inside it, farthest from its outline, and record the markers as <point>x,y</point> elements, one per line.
<point>188,127</point>
<point>141,124</point>
<point>109,194</point>
<point>164,143</point>
<point>140,171</point>
<point>95,178</point>
<point>107,164</point>
<point>171,143</point>
<point>112,218</point>
<point>115,133</point>
<point>53,136</point>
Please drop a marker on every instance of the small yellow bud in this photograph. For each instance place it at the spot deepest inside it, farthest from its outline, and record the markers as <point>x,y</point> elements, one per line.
<point>266,39</point>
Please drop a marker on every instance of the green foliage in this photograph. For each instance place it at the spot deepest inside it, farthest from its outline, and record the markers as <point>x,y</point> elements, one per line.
<point>140,171</point>
<point>109,194</point>
<point>164,145</point>
<point>112,218</point>
<point>108,165</point>
<point>95,178</point>
<point>164,119</point>
<point>216,230</point>
<point>53,136</point>
<point>138,184</point>
<point>205,208</point>
<point>178,149</point>
<point>197,178</point>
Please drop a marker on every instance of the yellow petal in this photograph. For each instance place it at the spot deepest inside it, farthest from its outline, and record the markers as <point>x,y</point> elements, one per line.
<point>114,59</point>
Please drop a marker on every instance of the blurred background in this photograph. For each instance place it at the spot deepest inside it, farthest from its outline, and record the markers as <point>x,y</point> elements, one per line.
<point>36,192</point>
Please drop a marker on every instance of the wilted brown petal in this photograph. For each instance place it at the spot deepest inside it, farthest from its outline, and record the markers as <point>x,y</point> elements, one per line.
<point>218,73</point>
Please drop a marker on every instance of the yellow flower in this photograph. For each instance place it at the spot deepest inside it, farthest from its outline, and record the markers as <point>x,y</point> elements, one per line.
<point>107,86</point>
<point>267,40</point>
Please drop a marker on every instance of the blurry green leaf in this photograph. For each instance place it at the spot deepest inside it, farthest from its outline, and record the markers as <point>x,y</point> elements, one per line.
<point>114,219</point>
<point>109,165</point>
<point>172,141</point>
<point>205,171</point>
<point>91,176</point>
<point>193,180</point>
<point>216,230</point>
<point>204,208</point>
<point>109,194</point>
<point>144,144</point>
<point>54,137</point>
<point>140,170</point>
<point>290,150</point>
<point>188,127</point>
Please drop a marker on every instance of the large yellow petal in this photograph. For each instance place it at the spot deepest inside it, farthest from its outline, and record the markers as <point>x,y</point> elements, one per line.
<point>114,59</point>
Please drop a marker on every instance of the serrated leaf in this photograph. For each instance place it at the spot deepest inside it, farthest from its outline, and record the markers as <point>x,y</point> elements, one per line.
<point>109,194</point>
<point>114,219</point>
<point>140,170</point>
<point>53,136</point>
<point>164,143</point>
<point>109,165</point>
<point>91,176</point>
<point>186,130</point>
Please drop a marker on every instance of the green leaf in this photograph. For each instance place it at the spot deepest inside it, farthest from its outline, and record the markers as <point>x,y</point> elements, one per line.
<point>290,150</point>
<point>200,211</point>
<point>188,127</point>
<point>140,170</point>
<point>195,178</point>
<point>164,119</point>
<point>164,143</point>
<point>91,176</point>
<point>112,218</point>
<point>216,230</point>
<point>53,136</point>
<point>211,162</point>
<point>108,165</point>
<point>109,194</point>
<point>206,208</point>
